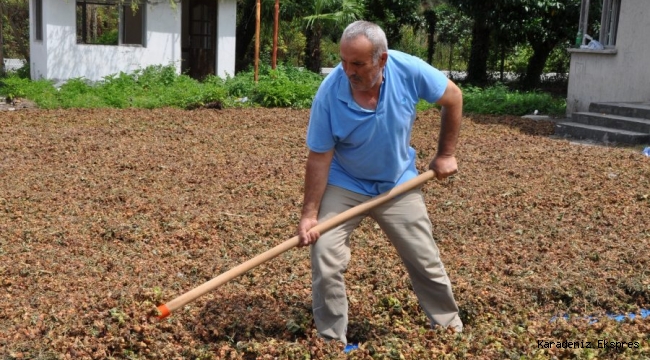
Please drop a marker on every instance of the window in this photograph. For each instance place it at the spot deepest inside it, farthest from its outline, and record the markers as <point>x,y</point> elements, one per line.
<point>602,25</point>
<point>38,20</point>
<point>107,22</point>
<point>133,25</point>
<point>609,22</point>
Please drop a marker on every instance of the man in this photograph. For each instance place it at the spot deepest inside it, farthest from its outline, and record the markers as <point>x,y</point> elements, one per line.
<point>359,146</point>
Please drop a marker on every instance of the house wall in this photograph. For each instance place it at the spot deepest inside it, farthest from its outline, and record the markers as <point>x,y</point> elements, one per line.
<point>226,29</point>
<point>37,50</point>
<point>59,56</point>
<point>623,75</point>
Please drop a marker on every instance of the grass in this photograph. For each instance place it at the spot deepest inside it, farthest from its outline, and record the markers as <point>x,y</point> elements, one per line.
<point>286,87</point>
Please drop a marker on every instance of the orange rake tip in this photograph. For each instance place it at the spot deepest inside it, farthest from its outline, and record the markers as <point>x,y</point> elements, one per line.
<point>164,311</point>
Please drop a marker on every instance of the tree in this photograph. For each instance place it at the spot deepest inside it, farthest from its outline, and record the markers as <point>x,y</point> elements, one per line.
<point>451,27</point>
<point>14,16</point>
<point>548,24</point>
<point>245,32</point>
<point>483,13</point>
<point>336,13</point>
<point>391,15</point>
<point>431,19</point>
<point>542,23</point>
<point>289,10</point>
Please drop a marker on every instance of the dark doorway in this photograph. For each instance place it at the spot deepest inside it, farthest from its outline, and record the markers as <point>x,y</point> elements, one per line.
<point>200,38</point>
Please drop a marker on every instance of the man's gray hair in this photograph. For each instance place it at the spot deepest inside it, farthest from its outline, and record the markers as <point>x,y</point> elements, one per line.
<point>372,32</point>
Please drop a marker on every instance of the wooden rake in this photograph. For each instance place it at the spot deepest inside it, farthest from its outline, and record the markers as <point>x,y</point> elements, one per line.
<point>180,301</point>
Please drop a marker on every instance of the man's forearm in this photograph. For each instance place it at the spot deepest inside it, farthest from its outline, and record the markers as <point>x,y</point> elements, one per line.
<point>449,129</point>
<point>450,115</point>
<point>316,173</point>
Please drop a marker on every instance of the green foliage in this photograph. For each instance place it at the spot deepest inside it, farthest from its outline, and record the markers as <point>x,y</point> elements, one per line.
<point>24,71</point>
<point>451,25</point>
<point>15,28</point>
<point>108,38</point>
<point>518,59</point>
<point>559,59</point>
<point>241,85</point>
<point>412,42</point>
<point>14,87</point>
<point>391,15</point>
<point>77,93</point>
<point>286,86</point>
<point>330,53</point>
<point>499,100</point>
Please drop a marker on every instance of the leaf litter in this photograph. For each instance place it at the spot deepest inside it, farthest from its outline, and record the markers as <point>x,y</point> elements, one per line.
<point>105,214</point>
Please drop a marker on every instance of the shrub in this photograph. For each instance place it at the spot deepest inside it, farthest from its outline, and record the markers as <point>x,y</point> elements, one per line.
<point>285,86</point>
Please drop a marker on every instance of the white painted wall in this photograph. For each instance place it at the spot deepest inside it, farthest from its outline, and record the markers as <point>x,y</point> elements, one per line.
<point>622,75</point>
<point>226,35</point>
<point>59,57</point>
<point>37,49</point>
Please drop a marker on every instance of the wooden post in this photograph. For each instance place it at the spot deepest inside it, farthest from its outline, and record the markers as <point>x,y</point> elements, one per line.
<point>2,57</point>
<point>257,39</point>
<point>276,18</point>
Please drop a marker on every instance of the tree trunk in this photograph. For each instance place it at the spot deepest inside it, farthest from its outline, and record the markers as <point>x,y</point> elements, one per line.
<point>245,34</point>
<point>536,63</point>
<point>431,18</point>
<point>477,66</point>
<point>313,36</point>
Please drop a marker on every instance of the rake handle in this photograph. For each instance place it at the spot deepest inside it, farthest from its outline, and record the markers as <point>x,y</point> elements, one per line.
<point>166,309</point>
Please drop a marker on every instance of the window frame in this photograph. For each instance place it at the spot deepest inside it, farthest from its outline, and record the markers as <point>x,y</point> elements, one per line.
<point>38,20</point>
<point>609,23</point>
<point>124,27</point>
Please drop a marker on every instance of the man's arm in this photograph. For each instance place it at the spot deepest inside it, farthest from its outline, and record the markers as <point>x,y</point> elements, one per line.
<point>444,163</point>
<point>316,173</point>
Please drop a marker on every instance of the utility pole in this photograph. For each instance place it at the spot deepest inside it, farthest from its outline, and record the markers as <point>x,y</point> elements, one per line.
<point>2,44</point>
<point>276,18</point>
<point>257,39</point>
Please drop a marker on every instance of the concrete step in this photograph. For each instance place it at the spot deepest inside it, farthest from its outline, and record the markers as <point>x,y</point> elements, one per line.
<point>628,109</point>
<point>600,133</point>
<point>612,121</point>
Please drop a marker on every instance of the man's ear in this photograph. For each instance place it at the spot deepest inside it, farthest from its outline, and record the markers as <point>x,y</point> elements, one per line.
<point>383,58</point>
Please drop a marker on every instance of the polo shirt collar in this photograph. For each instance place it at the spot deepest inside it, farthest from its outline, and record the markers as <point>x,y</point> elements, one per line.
<point>344,92</point>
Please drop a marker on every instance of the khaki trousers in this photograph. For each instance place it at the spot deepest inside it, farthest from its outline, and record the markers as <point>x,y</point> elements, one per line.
<point>406,223</point>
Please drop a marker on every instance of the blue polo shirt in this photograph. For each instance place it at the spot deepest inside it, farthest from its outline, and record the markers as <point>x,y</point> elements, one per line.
<point>372,152</point>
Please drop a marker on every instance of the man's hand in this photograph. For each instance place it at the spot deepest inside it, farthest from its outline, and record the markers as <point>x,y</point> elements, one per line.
<point>444,166</point>
<point>307,237</point>
<point>316,173</point>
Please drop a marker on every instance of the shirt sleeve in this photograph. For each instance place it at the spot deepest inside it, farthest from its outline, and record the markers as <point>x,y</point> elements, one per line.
<point>431,83</point>
<point>320,138</point>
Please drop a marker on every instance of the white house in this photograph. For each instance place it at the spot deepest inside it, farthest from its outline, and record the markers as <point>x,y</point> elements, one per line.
<point>608,97</point>
<point>96,38</point>
<point>618,72</point>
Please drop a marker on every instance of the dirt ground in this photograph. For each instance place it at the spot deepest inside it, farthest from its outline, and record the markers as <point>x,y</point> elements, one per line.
<point>17,104</point>
<point>105,214</point>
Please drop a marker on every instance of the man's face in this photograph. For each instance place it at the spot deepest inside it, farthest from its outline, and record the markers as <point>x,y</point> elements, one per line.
<point>356,59</point>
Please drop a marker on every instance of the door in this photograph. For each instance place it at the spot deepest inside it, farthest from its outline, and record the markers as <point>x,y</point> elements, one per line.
<point>202,38</point>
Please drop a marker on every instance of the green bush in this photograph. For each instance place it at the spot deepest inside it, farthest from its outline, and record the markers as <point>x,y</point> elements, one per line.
<point>14,87</point>
<point>499,100</point>
<point>285,86</point>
